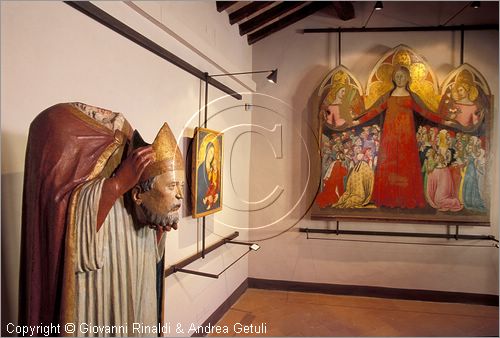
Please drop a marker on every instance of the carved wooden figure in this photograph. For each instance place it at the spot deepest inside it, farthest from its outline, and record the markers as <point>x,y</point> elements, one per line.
<point>96,203</point>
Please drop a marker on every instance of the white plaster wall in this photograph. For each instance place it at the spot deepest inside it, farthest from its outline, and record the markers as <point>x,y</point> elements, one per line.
<point>303,61</point>
<point>52,53</point>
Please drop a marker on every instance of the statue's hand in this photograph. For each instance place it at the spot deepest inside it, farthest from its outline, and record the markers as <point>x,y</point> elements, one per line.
<point>129,172</point>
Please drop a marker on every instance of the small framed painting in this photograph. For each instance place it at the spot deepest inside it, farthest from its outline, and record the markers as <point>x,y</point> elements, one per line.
<point>207,172</point>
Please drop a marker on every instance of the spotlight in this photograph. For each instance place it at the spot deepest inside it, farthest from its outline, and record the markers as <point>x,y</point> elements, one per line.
<point>379,5</point>
<point>475,4</point>
<point>273,77</point>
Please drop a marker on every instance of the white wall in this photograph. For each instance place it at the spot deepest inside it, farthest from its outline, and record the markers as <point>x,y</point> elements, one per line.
<point>52,53</point>
<point>303,61</point>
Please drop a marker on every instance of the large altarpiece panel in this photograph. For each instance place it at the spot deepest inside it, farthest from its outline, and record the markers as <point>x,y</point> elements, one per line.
<point>406,149</point>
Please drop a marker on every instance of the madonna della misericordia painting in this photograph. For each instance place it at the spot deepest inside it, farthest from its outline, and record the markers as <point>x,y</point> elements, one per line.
<point>406,150</point>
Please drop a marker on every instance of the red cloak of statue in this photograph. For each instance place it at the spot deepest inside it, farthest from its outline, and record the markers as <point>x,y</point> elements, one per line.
<point>65,149</point>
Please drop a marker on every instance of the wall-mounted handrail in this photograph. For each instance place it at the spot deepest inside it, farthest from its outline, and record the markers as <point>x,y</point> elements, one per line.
<point>446,235</point>
<point>197,256</point>
<point>179,267</point>
<point>212,275</point>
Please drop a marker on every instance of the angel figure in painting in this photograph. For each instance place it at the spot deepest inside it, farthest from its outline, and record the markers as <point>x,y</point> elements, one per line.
<point>464,93</point>
<point>341,103</point>
<point>332,112</point>
<point>398,182</point>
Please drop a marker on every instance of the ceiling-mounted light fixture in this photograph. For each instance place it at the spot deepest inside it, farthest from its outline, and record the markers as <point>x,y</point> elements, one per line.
<point>379,5</point>
<point>475,4</point>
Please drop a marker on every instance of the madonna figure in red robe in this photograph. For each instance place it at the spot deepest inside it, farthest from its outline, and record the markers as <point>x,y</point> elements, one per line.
<point>398,181</point>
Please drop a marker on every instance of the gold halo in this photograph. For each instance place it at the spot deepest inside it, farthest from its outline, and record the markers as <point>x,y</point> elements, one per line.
<point>473,93</point>
<point>403,58</point>
<point>465,77</point>
<point>340,77</point>
<point>209,138</point>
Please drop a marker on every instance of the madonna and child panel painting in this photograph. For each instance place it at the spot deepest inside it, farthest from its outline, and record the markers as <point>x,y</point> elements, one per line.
<point>406,150</point>
<point>207,171</point>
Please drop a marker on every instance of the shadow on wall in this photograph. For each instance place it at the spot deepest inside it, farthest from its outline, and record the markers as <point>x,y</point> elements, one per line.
<point>308,87</point>
<point>12,192</point>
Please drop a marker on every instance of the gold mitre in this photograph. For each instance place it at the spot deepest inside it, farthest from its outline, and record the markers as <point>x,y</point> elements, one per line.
<point>167,155</point>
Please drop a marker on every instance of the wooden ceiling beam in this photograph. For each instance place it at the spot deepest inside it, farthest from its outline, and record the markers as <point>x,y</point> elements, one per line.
<point>269,15</point>
<point>344,9</point>
<point>286,21</point>
<point>222,5</point>
<point>247,10</point>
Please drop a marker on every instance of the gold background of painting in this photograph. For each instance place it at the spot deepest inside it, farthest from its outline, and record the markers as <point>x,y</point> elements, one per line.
<point>210,136</point>
<point>423,81</point>
<point>419,73</point>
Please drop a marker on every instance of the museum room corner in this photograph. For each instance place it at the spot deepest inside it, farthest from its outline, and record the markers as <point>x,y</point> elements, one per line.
<point>250,168</point>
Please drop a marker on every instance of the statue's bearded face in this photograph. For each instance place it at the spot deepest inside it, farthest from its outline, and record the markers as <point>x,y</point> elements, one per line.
<point>159,205</point>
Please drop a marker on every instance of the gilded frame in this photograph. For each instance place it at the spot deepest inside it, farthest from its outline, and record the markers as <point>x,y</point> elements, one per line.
<point>207,193</point>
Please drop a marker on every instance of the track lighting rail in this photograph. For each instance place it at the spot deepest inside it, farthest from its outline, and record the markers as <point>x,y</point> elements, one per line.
<point>400,29</point>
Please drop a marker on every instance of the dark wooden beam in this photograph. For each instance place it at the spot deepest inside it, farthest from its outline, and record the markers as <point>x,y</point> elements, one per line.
<point>298,15</point>
<point>271,14</point>
<point>222,5</point>
<point>94,12</point>
<point>344,9</point>
<point>247,10</point>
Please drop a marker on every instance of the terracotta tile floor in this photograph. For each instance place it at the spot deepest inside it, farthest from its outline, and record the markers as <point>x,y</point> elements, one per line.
<point>309,314</point>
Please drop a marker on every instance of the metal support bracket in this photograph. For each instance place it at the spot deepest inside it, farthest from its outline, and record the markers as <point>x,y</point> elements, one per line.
<point>179,267</point>
<point>447,235</point>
